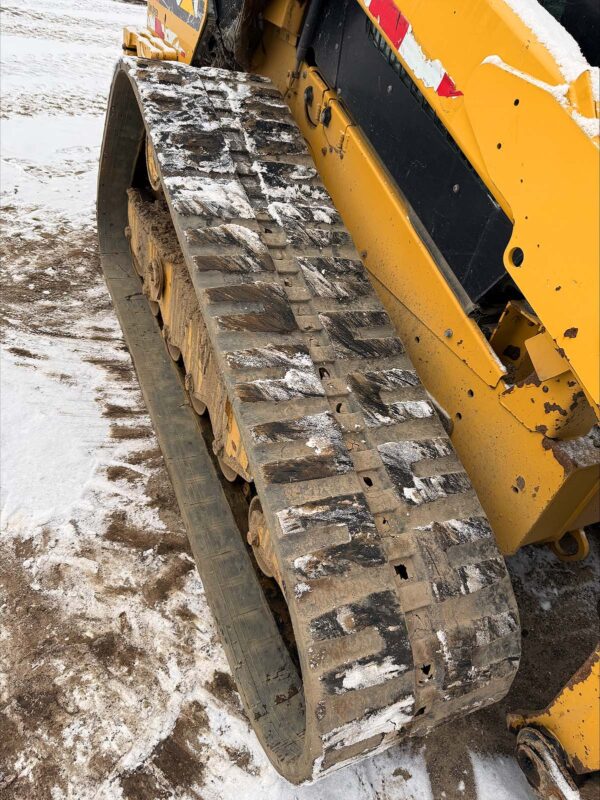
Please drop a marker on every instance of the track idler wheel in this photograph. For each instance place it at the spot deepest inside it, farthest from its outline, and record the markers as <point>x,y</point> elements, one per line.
<point>228,473</point>
<point>174,351</point>
<point>154,281</point>
<point>260,540</point>
<point>197,404</point>
<point>152,167</point>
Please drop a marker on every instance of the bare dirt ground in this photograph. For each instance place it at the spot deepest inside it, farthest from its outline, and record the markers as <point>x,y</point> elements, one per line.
<point>112,681</point>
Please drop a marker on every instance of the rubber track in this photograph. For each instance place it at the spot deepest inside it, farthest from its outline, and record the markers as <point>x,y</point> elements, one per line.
<point>402,608</point>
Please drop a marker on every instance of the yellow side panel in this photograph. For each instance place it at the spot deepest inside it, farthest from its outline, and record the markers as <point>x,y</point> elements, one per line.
<point>540,158</point>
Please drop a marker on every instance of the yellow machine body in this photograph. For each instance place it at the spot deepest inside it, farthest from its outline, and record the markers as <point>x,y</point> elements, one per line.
<point>173,30</point>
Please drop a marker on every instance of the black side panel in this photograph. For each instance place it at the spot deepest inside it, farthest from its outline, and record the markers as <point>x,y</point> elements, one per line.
<point>463,219</point>
<point>330,32</point>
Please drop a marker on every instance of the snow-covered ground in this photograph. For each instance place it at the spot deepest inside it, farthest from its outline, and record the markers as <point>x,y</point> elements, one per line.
<point>112,681</point>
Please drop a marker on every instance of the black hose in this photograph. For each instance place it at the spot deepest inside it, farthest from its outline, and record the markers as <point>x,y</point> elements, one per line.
<point>308,31</point>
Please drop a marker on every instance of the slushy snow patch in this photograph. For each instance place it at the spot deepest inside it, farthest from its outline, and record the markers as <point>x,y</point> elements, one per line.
<point>499,778</point>
<point>371,674</point>
<point>50,442</point>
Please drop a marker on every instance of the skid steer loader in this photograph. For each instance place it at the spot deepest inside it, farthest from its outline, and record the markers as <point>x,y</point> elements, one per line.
<point>367,232</point>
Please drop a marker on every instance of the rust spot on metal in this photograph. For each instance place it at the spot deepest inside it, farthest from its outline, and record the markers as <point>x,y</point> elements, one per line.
<point>576,398</point>
<point>550,407</point>
<point>531,380</point>
<point>543,429</point>
<point>571,333</point>
<point>520,482</point>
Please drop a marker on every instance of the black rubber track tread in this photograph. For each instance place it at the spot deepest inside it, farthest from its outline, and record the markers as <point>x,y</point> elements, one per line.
<point>402,608</point>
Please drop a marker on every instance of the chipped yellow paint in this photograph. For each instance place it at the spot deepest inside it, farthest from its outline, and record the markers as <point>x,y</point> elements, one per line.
<point>555,205</point>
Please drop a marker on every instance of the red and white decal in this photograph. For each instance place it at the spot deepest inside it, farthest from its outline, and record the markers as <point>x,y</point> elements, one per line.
<point>399,31</point>
<point>158,28</point>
